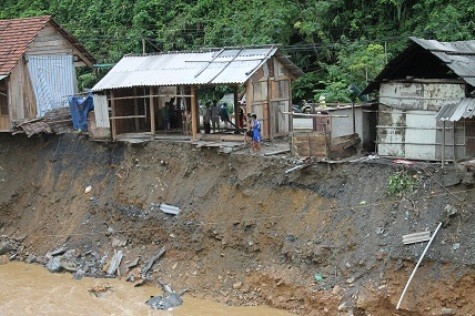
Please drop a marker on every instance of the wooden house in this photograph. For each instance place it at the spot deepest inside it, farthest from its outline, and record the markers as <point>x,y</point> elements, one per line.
<point>146,94</point>
<point>427,102</point>
<point>37,68</point>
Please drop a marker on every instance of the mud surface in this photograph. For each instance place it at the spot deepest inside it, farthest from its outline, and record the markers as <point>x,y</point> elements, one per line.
<point>325,239</point>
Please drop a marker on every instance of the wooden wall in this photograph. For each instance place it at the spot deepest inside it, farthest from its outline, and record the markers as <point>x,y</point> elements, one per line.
<point>22,100</point>
<point>51,42</point>
<point>269,95</point>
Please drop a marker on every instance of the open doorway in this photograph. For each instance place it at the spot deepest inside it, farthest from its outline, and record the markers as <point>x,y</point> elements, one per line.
<point>222,110</point>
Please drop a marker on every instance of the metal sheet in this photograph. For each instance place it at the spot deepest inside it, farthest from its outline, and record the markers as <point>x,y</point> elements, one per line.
<point>53,80</point>
<point>420,135</point>
<point>456,111</point>
<point>458,56</point>
<point>199,68</point>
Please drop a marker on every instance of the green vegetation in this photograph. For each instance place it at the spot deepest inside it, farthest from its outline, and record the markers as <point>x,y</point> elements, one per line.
<point>336,42</point>
<point>400,183</point>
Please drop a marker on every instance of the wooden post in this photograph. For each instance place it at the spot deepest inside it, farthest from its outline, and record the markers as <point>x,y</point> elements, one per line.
<point>290,109</point>
<point>354,118</point>
<point>136,110</point>
<point>236,109</point>
<point>327,145</point>
<point>113,122</point>
<point>453,144</point>
<point>152,112</point>
<point>194,114</point>
<point>272,117</point>
<point>443,144</point>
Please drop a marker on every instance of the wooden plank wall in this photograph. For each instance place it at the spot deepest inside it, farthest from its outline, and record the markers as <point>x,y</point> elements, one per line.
<point>321,145</point>
<point>310,144</point>
<point>50,42</point>
<point>22,99</point>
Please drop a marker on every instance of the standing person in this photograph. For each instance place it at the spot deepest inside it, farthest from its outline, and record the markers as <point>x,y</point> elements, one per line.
<point>241,117</point>
<point>223,113</point>
<point>215,116</point>
<point>165,118</point>
<point>256,135</point>
<point>207,118</point>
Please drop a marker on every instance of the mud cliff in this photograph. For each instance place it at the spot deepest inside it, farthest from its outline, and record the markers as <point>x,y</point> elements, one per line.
<point>322,240</point>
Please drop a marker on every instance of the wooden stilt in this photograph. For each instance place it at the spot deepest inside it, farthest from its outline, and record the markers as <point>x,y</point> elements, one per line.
<point>152,112</point>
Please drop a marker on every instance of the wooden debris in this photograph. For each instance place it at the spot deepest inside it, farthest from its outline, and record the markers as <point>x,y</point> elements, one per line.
<point>152,260</point>
<point>277,152</point>
<point>115,263</point>
<point>416,238</point>
<point>134,263</point>
<point>297,167</point>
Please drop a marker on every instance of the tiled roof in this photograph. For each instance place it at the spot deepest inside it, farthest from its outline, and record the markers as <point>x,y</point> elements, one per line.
<point>15,36</point>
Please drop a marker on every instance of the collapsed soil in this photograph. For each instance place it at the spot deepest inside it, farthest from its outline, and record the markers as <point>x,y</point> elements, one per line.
<point>321,240</point>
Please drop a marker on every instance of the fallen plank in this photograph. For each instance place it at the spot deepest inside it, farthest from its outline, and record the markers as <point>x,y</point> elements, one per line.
<point>152,260</point>
<point>416,238</point>
<point>298,167</point>
<point>115,263</point>
<point>277,152</point>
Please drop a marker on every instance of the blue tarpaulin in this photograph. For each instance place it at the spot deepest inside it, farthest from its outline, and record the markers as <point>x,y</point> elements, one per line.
<point>80,108</point>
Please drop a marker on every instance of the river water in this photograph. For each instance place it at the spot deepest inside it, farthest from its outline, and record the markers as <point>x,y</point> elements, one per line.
<point>27,289</point>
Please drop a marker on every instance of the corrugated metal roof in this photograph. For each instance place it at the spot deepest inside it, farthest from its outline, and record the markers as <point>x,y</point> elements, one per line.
<point>231,66</point>
<point>458,56</point>
<point>455,111</point>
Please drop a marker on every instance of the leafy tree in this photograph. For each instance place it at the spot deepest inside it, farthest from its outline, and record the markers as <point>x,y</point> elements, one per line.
<point>336,42</point>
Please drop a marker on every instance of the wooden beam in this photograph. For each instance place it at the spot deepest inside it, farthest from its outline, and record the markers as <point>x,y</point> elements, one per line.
<point>152,113</point>
<point>236,109</point>
<point>194,114</point>
<point>416,238</point>
<point>136,110</point>
<point>113,123</point>
<point>153,95</point>
<point>127,117</point>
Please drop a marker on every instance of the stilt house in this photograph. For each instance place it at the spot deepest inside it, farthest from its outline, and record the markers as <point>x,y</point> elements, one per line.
<point>141,90</point>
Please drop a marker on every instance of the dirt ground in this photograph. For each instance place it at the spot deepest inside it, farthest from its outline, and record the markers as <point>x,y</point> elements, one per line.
<point>321,240</point>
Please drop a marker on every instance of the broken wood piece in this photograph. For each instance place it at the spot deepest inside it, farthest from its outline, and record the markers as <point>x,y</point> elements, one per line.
<point>169,209</point>
<point>152,260</point>
<point>416,238</point>
<point>297,167</point>
<point>115,263</point>
<point>277,152</point>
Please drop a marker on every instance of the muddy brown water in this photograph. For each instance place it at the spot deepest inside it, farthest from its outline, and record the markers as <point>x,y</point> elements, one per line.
<point>31,290</point>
